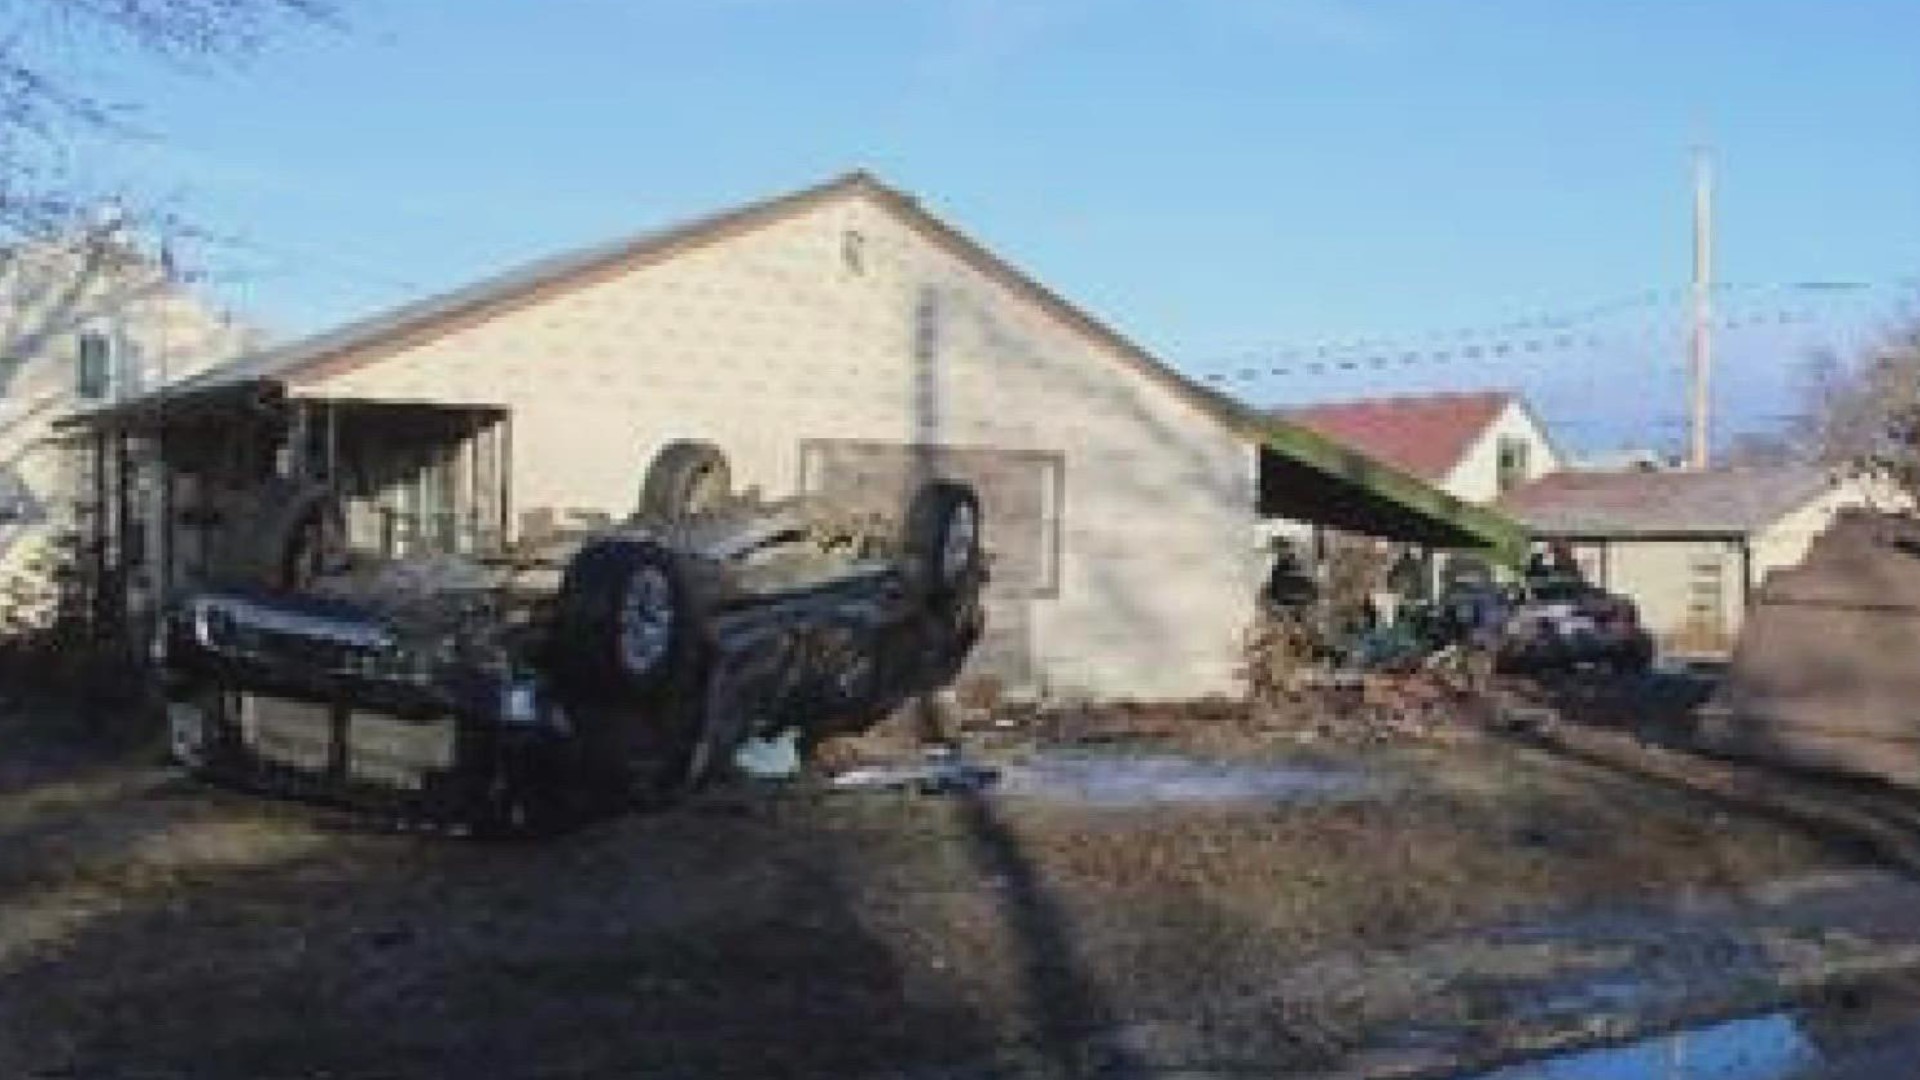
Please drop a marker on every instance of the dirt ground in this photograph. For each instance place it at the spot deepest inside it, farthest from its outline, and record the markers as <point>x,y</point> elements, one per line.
<point>151,927</point>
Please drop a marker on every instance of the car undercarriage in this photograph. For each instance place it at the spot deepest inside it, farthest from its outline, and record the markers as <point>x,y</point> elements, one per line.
<point>623,667</point>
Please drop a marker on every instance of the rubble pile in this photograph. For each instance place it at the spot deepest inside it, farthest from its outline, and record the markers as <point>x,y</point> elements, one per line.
<point>1433,705</point>
<point>1823,675</point>
<point>1424,705</point>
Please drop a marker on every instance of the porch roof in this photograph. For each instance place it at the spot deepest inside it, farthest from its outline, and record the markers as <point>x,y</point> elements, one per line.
<point>1308,477</point>
<point>187,405</point>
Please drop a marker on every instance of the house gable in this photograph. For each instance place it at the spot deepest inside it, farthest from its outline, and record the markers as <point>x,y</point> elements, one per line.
<point>849,323</point>
<point>316,360</point>
<point>1426,435</point>
<point>1476,475</point>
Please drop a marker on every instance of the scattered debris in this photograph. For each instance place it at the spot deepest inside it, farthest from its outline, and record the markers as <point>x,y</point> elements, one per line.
<point>943,773</point>
<point>776,757</point>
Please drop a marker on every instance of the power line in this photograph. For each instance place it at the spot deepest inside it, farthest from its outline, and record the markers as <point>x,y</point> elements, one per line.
<point>1557,333</point>
<point>1291,363</point>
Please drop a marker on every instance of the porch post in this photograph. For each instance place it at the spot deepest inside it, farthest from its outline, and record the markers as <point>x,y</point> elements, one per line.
<point>165,517</point>
<point>300,442</point>
<point>503,457</point>
<point>123,516</point>
<point>333,446</point>
<point>97,601</point>
<point>471,497</point>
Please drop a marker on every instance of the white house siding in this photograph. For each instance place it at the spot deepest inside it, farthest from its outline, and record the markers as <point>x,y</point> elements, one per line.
<point>1667,577</point>
<point>1475,478</point>
<point>1785,542</point>
<point>1688,591</point>
<point>50,294</point>
<point>776,335</point>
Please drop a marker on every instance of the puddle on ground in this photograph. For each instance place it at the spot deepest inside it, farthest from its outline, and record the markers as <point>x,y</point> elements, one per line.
<point>1141,780</point>
<point>1770,1047</point>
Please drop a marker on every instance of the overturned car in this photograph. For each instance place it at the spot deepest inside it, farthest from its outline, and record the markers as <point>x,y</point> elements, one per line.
<point>625,666</point>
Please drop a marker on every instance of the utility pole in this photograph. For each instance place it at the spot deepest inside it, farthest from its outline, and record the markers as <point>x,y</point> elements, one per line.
<point>1701,359</point>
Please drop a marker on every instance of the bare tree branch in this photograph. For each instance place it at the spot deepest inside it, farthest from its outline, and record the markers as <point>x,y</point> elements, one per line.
<point>43,107</point>
<point>1865,418</point>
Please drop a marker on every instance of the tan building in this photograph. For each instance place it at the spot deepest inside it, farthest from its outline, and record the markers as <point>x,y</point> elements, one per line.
<point>84,322</point>
<point>836,339</point>
<point>1690,548</point>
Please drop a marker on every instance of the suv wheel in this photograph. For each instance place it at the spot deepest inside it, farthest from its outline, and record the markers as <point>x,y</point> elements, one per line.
<point>623,628</point>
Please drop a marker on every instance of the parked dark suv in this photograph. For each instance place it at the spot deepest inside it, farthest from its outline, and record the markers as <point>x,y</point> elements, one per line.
<point>1562,622</point>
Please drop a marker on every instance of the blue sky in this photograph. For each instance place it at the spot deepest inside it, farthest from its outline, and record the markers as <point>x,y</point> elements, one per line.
<point>1222,179</point>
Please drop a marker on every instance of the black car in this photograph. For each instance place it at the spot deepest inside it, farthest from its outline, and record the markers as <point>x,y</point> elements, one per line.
<point>632,674</point>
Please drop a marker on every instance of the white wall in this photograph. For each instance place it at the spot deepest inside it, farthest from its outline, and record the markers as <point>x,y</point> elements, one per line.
<point>1476,477</point>
<point>1785,542</point>
<point>50,295</point>
<point>1660,575</point>
<point>769,337</point>
<point>1665,579</point>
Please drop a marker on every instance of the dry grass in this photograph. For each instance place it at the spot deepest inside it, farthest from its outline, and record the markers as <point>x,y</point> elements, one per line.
<point>184,932</point>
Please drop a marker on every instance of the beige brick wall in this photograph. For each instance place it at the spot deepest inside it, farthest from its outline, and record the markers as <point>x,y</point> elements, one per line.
<point>844,322</point>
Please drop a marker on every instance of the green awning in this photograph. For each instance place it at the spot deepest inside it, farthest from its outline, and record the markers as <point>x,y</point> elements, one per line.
<point>1308,477</point>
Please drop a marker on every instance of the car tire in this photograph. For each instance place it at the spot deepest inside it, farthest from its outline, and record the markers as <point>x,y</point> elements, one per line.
<point>943,541</point>
<point>687,478</point>
<point>624,628</point>
<point>297,533</point>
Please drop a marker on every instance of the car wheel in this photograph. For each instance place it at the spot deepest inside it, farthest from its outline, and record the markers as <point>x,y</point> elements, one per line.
<point>623,626</point>
<point>687,478</point>
<point>297,534</point>
<point>944,539</point>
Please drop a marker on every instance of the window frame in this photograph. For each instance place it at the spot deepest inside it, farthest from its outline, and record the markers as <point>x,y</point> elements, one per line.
<point>93,365</point>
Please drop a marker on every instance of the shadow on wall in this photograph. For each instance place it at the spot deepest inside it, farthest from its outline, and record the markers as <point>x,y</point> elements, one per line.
<point>1016,361</point>
<point>1065,1004</point>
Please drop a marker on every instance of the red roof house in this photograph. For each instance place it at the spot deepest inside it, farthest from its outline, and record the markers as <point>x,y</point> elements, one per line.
<point>1473,445</point>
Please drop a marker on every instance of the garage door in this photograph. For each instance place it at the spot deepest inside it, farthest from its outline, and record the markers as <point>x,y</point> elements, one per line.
<point>1021,501</point>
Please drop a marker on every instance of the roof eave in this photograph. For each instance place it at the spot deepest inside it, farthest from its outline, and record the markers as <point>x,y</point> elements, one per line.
<point>1490,529</point>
